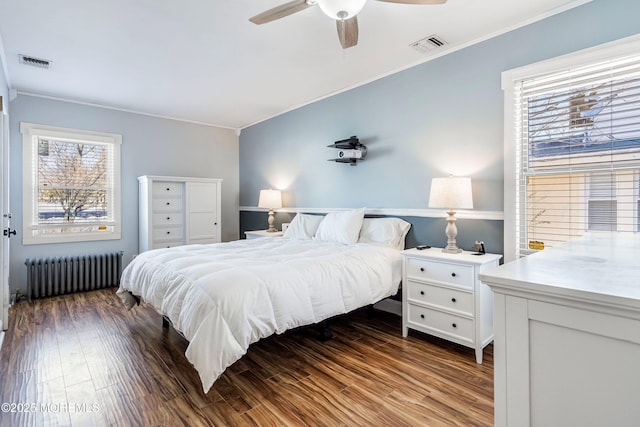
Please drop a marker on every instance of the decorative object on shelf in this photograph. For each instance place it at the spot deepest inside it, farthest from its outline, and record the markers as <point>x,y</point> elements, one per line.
<point>351,150</point>
<point>451,193</point>
<point>479,248</point>
<point>270,199</point>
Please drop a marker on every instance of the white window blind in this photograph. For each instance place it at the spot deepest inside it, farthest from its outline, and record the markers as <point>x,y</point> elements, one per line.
<point>578,139</point>
<point>72,185</point>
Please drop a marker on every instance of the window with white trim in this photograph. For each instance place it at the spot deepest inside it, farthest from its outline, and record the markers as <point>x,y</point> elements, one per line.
<point>71,182</point>
<point>576,136</point>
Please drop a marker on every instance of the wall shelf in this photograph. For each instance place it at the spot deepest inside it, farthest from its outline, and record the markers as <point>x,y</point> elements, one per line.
<point>351,150</point>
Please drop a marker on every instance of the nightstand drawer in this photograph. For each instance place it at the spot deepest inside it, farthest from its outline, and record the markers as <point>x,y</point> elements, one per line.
<point>170,233</point>
<point>164,189</point>
<point>461,275</point>
<point>450,299</point>
<point>440,323</point>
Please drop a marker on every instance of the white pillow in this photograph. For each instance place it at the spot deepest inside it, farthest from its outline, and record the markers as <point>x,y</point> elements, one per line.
<point>341,227</point>
<point>384,231</point>
<point>303,227</point>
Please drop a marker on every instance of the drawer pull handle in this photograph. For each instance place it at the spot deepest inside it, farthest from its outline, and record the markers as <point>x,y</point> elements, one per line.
<point>168,232</point>
<point>168,218</point>
<point>453,300</point>
<point>422,316</point>
<point>168,203</point>
<point>168,189</point>
<point>453,274</point>
<point>454,325</point>
<point>215,223</point>
<point>422,269</point>
<point>421,292</point>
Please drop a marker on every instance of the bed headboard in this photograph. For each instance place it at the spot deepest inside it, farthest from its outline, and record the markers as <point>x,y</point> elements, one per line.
<point>424,230</point>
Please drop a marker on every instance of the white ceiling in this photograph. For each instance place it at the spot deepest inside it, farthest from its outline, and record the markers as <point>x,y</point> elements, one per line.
<point>203,61</point>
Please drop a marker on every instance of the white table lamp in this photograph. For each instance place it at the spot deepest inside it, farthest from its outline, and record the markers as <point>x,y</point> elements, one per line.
<point>451,193</point>
<point>270,199</point>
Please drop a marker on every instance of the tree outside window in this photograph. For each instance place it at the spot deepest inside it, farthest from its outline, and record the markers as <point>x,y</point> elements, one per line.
<point>72,181</point>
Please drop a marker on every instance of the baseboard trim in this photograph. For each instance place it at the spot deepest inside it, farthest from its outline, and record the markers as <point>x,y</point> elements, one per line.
<point>424,213</point>
<point>1,339</point>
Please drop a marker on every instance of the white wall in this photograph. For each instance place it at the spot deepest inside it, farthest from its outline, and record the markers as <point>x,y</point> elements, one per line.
<point>150,146</point>
<point>4,86</point>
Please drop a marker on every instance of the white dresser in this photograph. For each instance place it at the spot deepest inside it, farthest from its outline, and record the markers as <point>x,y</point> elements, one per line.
<point>442,296</point>
<point>176,211</point>
<point>567,335</point>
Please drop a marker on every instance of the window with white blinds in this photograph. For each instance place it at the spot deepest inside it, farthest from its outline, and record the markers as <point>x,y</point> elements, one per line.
<point>577,135</point>
<point>72,185</point>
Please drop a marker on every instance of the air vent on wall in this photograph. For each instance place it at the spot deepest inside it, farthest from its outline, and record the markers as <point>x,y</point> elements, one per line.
<point>35,62</point>
<point>428,43</point>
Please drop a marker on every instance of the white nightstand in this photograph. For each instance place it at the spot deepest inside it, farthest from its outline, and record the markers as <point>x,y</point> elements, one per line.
<point>442,296</point>
<point>262,233</point>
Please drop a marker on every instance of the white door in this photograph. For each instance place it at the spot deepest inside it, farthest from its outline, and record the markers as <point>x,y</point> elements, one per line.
<point>6,216</point>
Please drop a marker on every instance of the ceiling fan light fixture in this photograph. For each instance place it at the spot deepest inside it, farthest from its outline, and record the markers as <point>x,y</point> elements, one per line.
<point>341,9</point>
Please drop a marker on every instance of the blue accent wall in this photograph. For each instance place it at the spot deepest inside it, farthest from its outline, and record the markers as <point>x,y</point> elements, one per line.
<point>150,146</point>
<point>438,118</point>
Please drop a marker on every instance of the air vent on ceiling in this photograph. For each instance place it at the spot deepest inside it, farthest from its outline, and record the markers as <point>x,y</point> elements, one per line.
<point>428,43</point>
<point>34,62</point>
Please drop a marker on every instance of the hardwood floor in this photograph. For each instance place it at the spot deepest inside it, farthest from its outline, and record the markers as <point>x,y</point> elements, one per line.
<point>114,367</point>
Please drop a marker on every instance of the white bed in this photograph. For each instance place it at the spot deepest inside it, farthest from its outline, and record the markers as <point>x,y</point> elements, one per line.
<point>224,297</point>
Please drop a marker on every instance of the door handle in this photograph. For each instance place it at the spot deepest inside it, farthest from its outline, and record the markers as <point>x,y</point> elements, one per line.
<point>9,232</point>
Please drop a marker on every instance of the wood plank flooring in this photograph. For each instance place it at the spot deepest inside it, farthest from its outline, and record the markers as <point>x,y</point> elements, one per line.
<point>113,367</point>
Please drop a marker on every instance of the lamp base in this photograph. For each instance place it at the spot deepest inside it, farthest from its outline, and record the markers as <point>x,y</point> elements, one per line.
<point>451,232</point>
<point>270,221</point>
<point>452,250</point>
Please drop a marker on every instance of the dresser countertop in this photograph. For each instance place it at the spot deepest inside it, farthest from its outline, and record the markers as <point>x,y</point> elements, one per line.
<point>600,267</point>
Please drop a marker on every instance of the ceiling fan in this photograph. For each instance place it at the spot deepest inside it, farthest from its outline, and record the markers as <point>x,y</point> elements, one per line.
<point>343,11</point>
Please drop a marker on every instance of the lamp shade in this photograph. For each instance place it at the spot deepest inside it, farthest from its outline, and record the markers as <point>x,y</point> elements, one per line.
<point>451,193</point>
<point>341,9</point>
<point>270,199</point>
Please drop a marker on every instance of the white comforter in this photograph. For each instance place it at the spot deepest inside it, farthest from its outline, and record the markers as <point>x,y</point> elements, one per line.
<point>224,297</point>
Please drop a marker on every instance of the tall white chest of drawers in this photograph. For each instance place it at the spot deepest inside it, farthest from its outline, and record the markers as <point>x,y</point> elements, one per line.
<point>176,211</point>
<point>442,296</point>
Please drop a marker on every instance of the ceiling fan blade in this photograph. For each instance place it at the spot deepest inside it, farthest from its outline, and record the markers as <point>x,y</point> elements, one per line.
<point>416,1</point>
<point>280,11</point>
<point>348,32</point>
